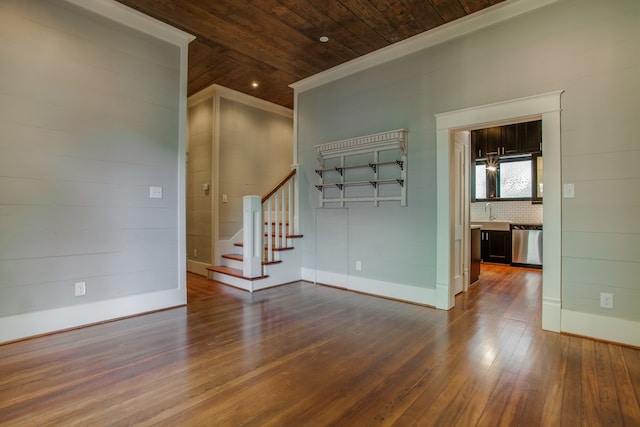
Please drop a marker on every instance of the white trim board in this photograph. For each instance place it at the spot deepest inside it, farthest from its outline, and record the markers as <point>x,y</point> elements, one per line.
<point>376,288</point>
<point>601,327</point>
<point>198,267</point>
<point>217,91</point>
<point>468,24</point>
<point>137,20</point>
<point>27,325</point>
<point>546,106</point>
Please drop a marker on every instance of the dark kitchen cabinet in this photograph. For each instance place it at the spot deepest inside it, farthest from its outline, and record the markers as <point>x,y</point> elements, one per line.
<point>530,137</point>
<point>476,255</point>
<point>496,246</point>
<point>486,142</point>
<point>509,140</point>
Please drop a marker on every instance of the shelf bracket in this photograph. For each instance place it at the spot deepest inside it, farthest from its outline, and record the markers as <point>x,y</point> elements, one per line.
<point>339,186</point>
<point>401,164</point>
<point>319,172</point>
<point>373,166</point>
<point>319,187</point>
<point>339,170</point>
<point>401,182</point>
<point>374,183</point>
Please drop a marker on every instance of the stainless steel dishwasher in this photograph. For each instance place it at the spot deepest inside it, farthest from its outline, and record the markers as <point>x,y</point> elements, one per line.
<point>526,245</point>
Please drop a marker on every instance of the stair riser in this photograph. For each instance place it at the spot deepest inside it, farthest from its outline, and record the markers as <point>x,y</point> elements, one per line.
<point>233,281</point>
<point>276,255</point>
<point>233,263</point>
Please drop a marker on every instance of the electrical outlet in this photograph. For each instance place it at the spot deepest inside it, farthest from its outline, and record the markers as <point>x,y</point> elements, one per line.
<point>359,265</point>
<point>606,300</point>
<point>195,253</point>
<point>80,289</point>
<point>224,198</point>
<point>155,192</point>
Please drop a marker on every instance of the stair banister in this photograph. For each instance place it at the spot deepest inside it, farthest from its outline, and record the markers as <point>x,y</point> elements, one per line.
<point>273,216</point>
<point>252,236</point>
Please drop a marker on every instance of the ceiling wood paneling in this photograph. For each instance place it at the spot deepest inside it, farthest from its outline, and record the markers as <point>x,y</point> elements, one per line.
<point>276,42</point>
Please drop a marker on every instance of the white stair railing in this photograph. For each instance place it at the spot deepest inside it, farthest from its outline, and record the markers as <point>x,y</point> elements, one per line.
<point>272,215</point>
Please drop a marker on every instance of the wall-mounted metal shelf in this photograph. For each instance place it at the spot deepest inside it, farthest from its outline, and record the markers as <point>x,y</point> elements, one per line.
<point>372,165</point>
<point>377,162</point>
<point>373,183</point>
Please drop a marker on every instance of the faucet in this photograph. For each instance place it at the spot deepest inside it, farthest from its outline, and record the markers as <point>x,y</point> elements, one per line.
<point>491,217</point>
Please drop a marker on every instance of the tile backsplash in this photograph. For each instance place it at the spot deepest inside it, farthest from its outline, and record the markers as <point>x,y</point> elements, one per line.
<point>518,212</point>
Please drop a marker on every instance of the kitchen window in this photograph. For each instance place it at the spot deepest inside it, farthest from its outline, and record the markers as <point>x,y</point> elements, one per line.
<point>508,178</point>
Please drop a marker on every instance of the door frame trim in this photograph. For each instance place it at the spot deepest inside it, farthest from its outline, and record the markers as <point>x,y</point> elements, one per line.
<point>546,107</point>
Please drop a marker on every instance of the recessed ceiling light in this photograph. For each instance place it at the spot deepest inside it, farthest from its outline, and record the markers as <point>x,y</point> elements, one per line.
<point>324,39</point>
<point>254,85</point>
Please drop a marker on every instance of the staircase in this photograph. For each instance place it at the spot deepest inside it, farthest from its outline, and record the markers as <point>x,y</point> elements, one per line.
<point>266,255</point>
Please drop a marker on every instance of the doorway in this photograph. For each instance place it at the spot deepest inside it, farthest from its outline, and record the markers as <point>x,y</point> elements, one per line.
<point>545,106</point>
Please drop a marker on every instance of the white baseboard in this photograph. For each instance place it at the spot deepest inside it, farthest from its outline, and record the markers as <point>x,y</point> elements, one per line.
<point>42,322</point>
<point>198,267</point>
<point>331,278</point>
<point>601,327</point>
<point>308,274</point>
<point>551,314</point>
<point>393,290</point>
<point>370,286</point>
<point>442,300</point>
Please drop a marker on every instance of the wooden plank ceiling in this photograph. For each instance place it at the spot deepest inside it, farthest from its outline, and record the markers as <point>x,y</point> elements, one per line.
<point>276,42</point>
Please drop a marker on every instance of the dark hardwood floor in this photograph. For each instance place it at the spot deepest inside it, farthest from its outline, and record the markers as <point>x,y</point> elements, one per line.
<point>306,355</point>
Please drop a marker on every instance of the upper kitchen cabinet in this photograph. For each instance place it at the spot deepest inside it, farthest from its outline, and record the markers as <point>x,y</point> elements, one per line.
<point>487,142</point>
<point>509,140</point>
<point>530,136</point>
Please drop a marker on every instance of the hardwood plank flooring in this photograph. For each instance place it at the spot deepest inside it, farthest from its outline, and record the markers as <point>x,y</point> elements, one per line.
<point>307,355</point>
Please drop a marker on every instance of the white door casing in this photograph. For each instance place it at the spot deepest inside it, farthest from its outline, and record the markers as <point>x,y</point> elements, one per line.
<point>458,218</point>
<point>546,107</point>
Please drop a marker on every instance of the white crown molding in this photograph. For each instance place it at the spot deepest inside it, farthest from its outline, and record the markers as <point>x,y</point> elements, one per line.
<point>392,138</point>
<point>136,20</point>
<point>224,92</point>
<point>470,23</point>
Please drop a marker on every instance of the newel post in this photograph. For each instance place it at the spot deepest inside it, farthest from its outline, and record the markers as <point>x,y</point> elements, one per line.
<point>252,236</point>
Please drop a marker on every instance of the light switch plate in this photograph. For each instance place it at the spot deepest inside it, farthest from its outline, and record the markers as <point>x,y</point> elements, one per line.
<point>155,192</point>
<point>569,191</point>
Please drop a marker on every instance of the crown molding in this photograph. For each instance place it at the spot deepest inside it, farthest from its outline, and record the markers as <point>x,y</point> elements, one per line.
<point>449,31</point>
<point>224,92</point>
<point>137,20</point>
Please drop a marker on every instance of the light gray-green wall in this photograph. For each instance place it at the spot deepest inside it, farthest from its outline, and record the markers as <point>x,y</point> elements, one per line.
<point>255,153</point>
<point>587,48</point>
<point>89,119</point>
<point>199,171</point>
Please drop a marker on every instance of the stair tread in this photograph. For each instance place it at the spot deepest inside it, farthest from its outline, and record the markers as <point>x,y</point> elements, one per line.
<point>239,257</point>
<point>233,272</point>
<point>278,248</point>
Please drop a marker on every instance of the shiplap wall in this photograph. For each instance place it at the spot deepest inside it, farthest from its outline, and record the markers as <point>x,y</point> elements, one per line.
<point>255,151</point>
<point>89,120</point>
<point>200,144</point>
<point>587,48</point>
